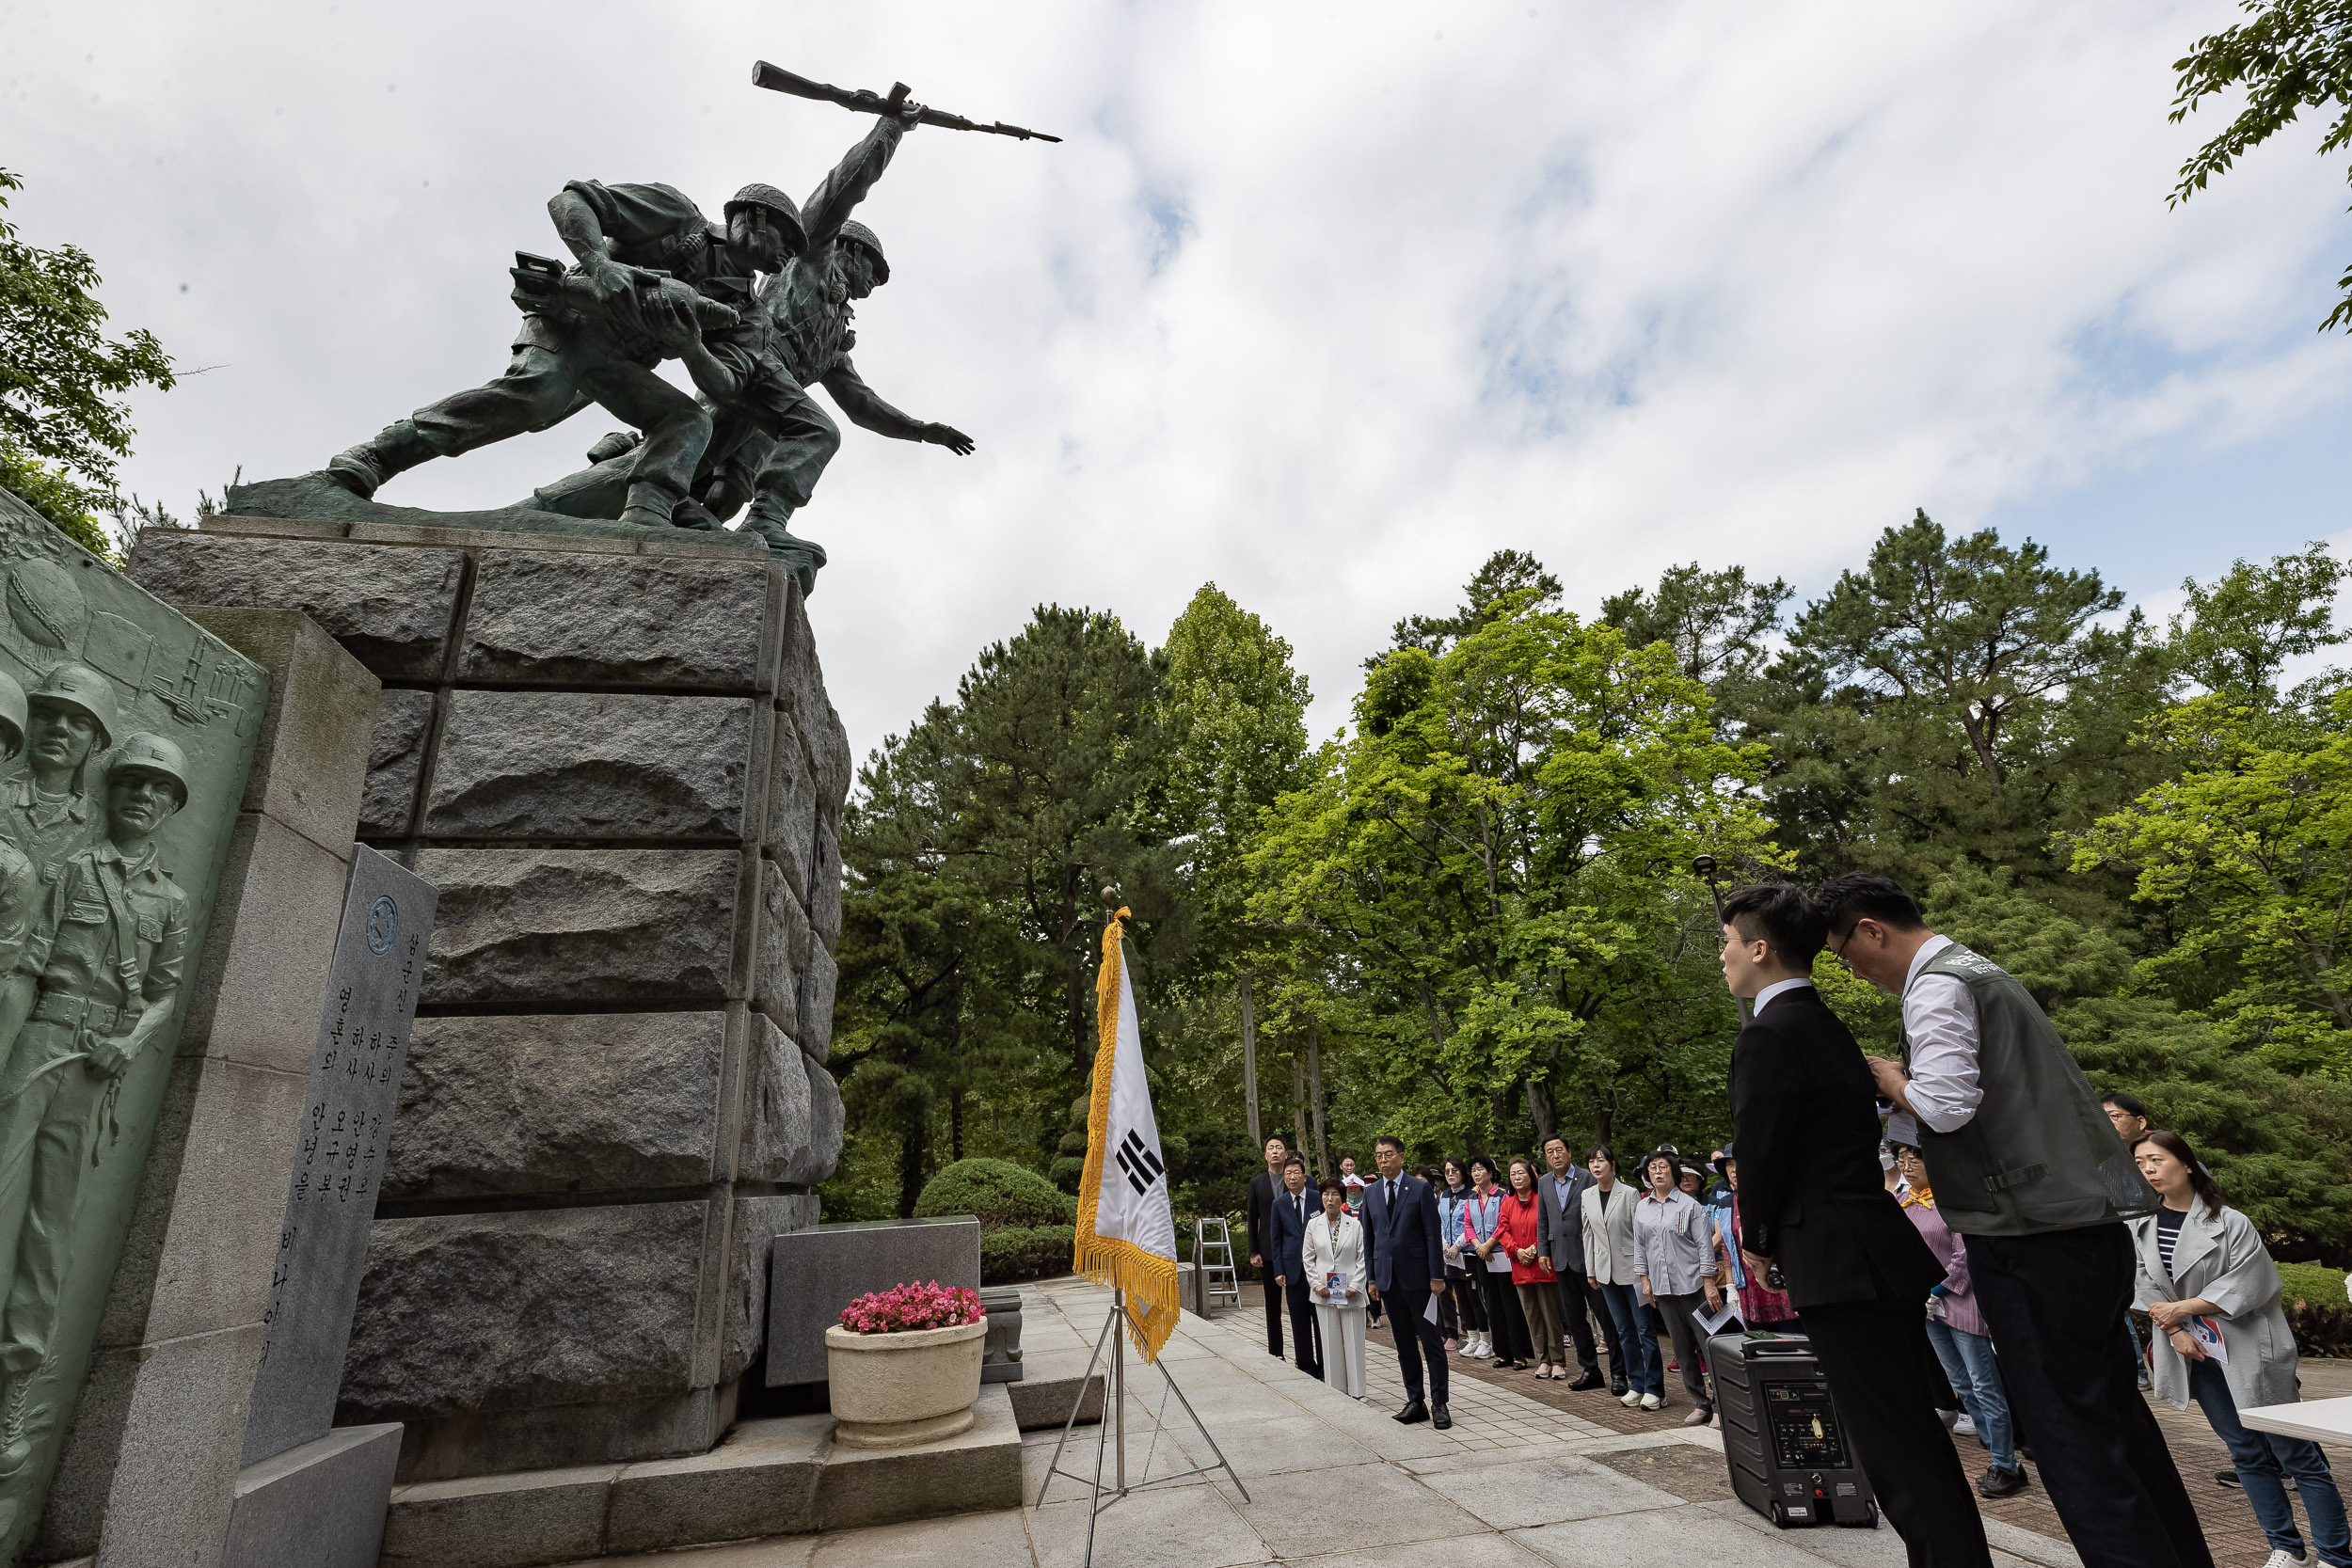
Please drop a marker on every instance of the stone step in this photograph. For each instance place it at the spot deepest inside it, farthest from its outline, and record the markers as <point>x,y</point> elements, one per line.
<point>779,1477</point>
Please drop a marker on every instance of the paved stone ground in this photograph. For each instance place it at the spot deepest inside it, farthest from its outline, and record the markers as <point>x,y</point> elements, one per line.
<point>1531,1476</point>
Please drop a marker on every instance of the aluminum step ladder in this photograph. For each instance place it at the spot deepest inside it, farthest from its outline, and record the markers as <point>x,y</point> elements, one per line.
<point>1213,1260</point>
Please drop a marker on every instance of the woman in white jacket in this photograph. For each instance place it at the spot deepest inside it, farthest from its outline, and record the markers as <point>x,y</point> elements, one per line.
<point>2204,1270</point>
<point>1333,1262</point>
<point>1612,1268</point>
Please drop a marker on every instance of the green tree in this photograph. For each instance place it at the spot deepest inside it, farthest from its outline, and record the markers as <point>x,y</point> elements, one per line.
<point>1240,713</point>
<point>2293,54</point>
<point>63,422</point>
<point>1954,698</point>
<point>2234,635</point>
<point>1066,736</point>
<point>2250,844</point>
<point>1718,623</point>
<point>1492,859</point>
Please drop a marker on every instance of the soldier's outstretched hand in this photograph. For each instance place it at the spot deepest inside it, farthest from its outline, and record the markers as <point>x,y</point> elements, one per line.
<point>950,437</point>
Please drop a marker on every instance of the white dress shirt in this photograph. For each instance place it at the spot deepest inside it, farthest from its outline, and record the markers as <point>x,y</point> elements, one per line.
<point>1776,988</point>
<point>1940,1022</point>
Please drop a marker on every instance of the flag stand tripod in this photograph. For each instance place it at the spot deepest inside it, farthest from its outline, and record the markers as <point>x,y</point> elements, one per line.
<point>1111,1431</point>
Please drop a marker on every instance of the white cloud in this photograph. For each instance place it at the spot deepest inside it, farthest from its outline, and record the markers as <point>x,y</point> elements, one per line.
<point>1323,302</point>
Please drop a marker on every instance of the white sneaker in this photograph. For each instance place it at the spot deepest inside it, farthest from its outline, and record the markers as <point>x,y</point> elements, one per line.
<point>2281,1558</point>
<point>1963,1428</point>
<point>1631,1397</point>
<point>1651,1401</point>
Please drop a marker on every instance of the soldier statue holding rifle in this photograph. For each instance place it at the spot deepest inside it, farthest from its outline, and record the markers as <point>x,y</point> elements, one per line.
<point>757,308</point>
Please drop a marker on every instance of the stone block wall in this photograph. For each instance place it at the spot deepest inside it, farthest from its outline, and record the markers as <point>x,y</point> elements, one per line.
<point>617,761</point>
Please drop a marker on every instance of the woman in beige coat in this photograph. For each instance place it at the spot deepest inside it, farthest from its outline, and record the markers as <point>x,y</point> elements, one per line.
<point>2203,1271</point>
<point>1612,1268</point>
<point>1333,1262</point>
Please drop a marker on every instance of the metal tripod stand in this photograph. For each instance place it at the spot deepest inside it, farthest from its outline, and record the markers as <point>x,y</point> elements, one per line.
<point>1111,1432</point>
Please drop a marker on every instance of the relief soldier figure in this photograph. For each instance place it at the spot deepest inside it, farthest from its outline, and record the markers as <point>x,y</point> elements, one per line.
<point>49,812</point>
<point>110,973</point>
<point>596,333</point>
<point>770,440</point>
<point>21,902</point>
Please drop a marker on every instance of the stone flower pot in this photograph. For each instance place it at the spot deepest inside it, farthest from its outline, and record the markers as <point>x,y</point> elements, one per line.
<point>892,1389</point>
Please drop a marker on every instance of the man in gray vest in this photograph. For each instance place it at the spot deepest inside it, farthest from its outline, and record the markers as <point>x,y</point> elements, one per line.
<point>2029,1173</point>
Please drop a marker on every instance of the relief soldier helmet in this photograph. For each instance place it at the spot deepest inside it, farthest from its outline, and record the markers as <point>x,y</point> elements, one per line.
<point>857,233</point>
<point>13,716</point>
<point>149,753</point>
<point>779,208</point>
<point>84,690</point>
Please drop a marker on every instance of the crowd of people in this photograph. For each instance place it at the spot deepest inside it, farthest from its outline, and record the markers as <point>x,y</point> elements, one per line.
<point>1961,1235</point>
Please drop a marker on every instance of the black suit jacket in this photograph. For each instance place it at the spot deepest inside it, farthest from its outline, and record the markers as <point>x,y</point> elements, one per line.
<point>1286,1233</point>
<point>1259,1216</point>
<point>1811,1195</point>
<point>1404,1243</point>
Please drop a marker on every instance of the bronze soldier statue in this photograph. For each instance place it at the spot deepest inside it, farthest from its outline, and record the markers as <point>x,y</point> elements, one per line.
<point>770,440</point>
<point>596,333</point>
<point>110,973</point>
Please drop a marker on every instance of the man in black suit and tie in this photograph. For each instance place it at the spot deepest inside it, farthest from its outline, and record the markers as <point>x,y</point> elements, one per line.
<point>1287,1229</point>
<point>1804,1115</point>
<point>1406,1267</point>
<point>1258,1220</point>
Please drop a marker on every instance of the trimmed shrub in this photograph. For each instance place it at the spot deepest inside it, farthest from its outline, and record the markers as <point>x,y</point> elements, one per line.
<point>1003,1195</point>
<point>1008,1257</point>
<point>2317,1310</point>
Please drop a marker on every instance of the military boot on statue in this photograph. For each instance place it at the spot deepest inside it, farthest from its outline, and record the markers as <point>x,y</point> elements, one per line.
<point>801,557</point>
<point>650,503</point>
<point>363,469</point>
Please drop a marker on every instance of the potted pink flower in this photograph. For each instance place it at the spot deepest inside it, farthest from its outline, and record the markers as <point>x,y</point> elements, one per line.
<point>904,1365</point>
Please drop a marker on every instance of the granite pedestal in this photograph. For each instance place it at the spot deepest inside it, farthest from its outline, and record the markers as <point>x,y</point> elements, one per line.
<point>615,760</point>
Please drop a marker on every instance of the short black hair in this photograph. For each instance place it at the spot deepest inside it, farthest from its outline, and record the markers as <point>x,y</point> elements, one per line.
<point>1276,1138</point>
<point>2128,1103</point>
<point>1780,914</point>
<point>1560,1138</point>
<point>1865,895</point>
<point>1298,1160</point>
<point>1332,1185</point>
<point>1391,1140</point>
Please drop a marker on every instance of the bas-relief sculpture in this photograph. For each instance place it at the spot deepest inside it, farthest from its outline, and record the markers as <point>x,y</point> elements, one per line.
<point>758,307</point>
<point>126,732</point>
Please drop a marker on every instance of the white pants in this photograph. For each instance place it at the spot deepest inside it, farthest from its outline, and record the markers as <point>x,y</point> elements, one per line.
<point>1342,1330</point>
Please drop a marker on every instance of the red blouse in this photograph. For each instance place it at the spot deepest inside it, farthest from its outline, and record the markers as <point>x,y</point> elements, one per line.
<point>1517,1228</point>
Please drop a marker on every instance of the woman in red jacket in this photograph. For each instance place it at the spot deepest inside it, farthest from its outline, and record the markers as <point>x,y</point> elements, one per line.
<point>1539,1293</point>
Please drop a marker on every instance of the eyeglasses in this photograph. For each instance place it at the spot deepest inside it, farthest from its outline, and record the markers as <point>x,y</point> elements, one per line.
<point>1838,950</point>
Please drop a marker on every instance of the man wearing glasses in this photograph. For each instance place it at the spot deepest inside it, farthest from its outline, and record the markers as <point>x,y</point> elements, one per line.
<point>2029,1173</point>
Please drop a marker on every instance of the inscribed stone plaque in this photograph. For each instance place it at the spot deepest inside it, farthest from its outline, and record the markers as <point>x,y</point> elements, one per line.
<point>118,796</point>
<point>340,1145</point>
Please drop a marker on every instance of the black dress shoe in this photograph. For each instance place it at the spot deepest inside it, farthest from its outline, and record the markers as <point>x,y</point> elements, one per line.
<point>1618,1386</point>
<point>1437,1418</point>
<point>1590,1380</point>
<point>1414,1411</point>
<point>2001,1483</point>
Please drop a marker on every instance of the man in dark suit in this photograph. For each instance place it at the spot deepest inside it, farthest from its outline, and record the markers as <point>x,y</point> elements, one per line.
<point>1256,1219</point>
<point>1804,1115</point>
<point>1560,1237</point>
<point>1287,1229</point>
<point>1407,1265</point>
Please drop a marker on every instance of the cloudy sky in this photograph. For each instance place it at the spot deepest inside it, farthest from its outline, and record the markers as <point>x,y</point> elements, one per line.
<point>1322,302</point>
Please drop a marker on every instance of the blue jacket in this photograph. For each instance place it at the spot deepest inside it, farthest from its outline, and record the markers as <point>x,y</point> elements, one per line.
<point>1289,1234</point>
<point>1404,1243</point>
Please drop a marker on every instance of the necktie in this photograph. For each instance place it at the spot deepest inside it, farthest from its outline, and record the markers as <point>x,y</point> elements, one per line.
<point>1392,1196</point>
